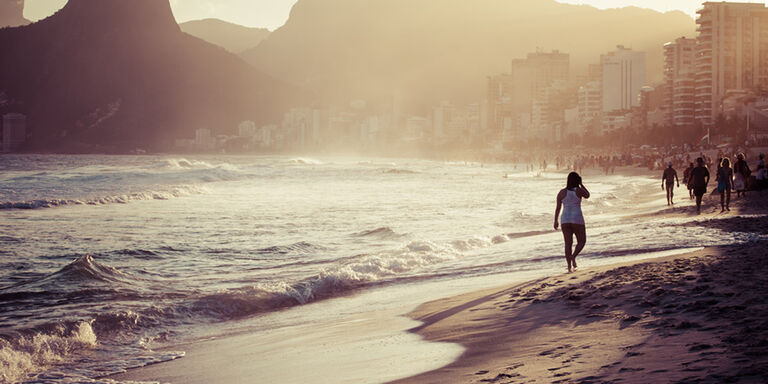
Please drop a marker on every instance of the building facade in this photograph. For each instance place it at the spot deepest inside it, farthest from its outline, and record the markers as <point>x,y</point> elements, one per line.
<point>680,79</point>
<point>523,103</point>
<point>731,54</point>
<point>623,74</point>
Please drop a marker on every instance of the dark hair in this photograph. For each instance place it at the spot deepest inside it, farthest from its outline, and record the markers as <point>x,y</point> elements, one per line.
<point>700,160</point>
<point>574,180</point>
<point>726,163</point>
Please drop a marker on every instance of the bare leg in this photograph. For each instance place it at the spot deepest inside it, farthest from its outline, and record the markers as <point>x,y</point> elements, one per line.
<point>581,239</point>
<point>728,200</point>
<point>670,195</point>
<point>722,201</point>
<point>568,236</point>
<point>698,203</point>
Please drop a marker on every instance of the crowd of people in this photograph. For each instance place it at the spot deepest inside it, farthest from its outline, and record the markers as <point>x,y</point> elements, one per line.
<point>733,173</point>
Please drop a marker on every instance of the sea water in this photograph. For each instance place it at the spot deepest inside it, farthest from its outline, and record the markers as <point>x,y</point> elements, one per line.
<point>104,257</point>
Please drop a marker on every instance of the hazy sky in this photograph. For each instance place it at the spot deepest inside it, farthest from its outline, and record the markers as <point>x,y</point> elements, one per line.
<point>273,13</point>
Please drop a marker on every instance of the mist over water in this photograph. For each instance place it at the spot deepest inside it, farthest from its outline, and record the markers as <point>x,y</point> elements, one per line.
<point>102,257</point>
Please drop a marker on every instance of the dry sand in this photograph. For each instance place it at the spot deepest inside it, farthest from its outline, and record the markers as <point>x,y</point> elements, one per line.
<point>696,318</point>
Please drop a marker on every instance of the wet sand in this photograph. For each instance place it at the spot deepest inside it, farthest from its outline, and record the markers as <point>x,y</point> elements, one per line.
<point>698,317</point>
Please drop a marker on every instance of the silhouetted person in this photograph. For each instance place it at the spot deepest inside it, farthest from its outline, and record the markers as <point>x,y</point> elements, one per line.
<point>700,180</point>
<point>669,177</point>
<point>572,220</point>
<point>725,183</point>
<point>741,173</point>
<point>686,178</point>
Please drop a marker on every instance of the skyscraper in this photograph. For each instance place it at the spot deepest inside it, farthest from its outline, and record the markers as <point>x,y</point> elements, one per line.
<point>519,103</point>
<point>623,74</point>
<point>731,55</point>
<point>680,78</point>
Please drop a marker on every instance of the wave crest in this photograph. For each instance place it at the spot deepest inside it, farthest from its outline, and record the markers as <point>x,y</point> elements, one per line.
<point>385,233</point>
<point>168,194</point>
<point>23,355</point>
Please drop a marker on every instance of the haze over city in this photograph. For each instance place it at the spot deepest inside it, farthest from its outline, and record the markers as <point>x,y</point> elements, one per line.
<point>272,14</point>
<point>383,191</point>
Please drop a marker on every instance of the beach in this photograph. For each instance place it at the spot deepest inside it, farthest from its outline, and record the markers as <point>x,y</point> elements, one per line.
<point>292,270</point>
<point>698,317</point>
<point>692,317</point>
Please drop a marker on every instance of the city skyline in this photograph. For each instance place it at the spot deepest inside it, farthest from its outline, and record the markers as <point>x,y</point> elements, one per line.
<point>272,14</point>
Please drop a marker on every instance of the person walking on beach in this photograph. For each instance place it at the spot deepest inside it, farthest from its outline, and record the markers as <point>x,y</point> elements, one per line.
<point>686,177</point>
<point>741,173</point>
<point>699,179</point>
<point>572,220</point>
<point>725,184</point>
<point>669,177</point>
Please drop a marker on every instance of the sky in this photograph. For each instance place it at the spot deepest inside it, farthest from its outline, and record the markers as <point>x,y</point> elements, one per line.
<point>272,14</point>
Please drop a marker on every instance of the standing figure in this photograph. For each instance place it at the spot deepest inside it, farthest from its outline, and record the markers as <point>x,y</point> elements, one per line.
<point>572,220</point>
<point>669,177</point>
<point>741,173</point>
<point>699,179</point>
<point>686,177</point>
<point>725,183</point>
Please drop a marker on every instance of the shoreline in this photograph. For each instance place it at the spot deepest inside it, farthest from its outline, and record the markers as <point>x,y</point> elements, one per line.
<point>209,357</point>
<point>696,317</point>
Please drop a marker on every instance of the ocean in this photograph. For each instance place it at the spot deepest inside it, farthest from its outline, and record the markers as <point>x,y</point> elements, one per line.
<point>106,261</point>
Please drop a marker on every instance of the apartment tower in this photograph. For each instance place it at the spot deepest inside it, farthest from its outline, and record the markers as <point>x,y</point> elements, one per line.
<point>680,78</point>
<point>731,55</point>
<point>623,75</point>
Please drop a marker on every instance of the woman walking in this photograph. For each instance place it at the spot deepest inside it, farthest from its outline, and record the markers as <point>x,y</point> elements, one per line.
<point>741,173</point>
<point>725,184</point>
<point>572,220</point>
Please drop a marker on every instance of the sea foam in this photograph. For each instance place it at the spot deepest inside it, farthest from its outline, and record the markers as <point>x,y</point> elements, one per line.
<point>28,354</point>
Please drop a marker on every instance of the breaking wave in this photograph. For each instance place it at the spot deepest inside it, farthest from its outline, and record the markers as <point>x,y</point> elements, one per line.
<point>383,233</point>
<point>171,193</point>
<point>37,351</point>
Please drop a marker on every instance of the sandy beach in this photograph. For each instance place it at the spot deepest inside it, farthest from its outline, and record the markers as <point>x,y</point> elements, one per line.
<point>698,317</point>
<point>694,317</point>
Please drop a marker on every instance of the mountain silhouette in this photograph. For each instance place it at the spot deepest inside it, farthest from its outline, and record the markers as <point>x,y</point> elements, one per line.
<point>115,75</point>
<point>12,13</point>
<point>234,38</point>
<point>426,50</point>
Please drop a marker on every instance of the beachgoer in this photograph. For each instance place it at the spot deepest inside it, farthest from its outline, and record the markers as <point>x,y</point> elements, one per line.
<point>741,173</point>
<point>572,220</point>
<point>762,173</point>
<point>699,179</point>
<point>669,177</point>
<point>725,184</point>
<point>686,176</point>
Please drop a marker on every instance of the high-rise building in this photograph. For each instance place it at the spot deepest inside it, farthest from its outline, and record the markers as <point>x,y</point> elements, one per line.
<point>14,132</point>
<point>623,75</point>
<point>680,78</point>
<point>590,105</point>
<point>731,55</point>
<point>514,99</point>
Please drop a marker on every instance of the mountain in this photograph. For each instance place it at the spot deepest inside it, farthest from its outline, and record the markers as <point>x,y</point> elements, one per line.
<point>114,75</point>
<point>426,51</point>
<point>12,13</point>
<point>234,38</point>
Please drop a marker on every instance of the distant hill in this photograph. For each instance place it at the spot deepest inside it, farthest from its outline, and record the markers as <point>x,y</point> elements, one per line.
<point>114,75</point>
<point>234,38</point>
<point>12,13</point>
<point>427,50</point>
